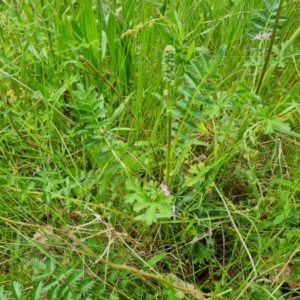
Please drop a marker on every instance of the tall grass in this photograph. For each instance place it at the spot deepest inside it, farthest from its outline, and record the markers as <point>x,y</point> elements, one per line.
<point>84,150</point>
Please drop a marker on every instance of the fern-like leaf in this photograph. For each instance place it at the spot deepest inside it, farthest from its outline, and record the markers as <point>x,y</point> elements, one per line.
<point>218,57</point>
<point>4,295</point>
<point>16,291</point>
<point>37,291</point>
<point>74,278</point>
<point>38,264</point>
<point>53,293</point>
<point>86,285</point>
<point>50,284</point>
<point>45,269</point>
<point>264,19</point>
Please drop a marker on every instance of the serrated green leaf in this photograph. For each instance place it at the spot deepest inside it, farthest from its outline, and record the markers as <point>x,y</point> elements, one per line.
<point>259,24</point>
<point>197,68</point>
<point>282,19</point>
<point>191,81</point>
<point>269,6</point>
<point>187,91</point>
<point>201,100</point>
<point>182,104</point>
<point>16,290</point>
<point>64,274</point>
<point>142,205</point>
<point>51,266</point>
<point>38,264</point>
<point>206,87</point>
<point>149,217</point>
<point>53,293</point>
<point>74,278</point>
<point>198,174</point>
<point>296,268</point>
<point>205,61</point>
<point>190,125</point>
<point>197,114</point>
<point>91,141</point>
<point>293,233</point>
<point>104,153</point>
<point>282,182</point>
<point>261,14</point>
<point>4,295</point>
<point>219,55</point>
<point>37,291</point>
<point>268,128</point>
<point>87,285</point>
<point>178,113</point>
<point>165,211</point>
<point>133,185</point>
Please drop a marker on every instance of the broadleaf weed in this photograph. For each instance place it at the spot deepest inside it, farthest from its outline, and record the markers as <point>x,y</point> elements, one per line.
<point>150,199</point>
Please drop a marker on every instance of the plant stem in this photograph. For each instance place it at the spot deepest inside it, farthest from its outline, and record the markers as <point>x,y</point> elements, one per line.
<point>169,139</point>
<point>270,47</point>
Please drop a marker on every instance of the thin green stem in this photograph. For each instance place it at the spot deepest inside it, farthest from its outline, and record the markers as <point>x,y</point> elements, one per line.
<point>169,138</point>
<point>270,47</point>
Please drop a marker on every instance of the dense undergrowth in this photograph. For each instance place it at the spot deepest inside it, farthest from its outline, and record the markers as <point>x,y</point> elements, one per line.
<point>149,149</point>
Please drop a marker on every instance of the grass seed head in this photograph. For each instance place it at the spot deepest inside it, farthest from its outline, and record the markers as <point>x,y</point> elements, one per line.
<point>168,65</point>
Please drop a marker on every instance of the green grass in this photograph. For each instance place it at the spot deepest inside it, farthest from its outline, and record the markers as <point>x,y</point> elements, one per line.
<point>84,148</point>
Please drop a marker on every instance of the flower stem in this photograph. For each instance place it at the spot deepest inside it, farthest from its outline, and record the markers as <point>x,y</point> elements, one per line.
<point>169,140</point>
<point>275,27</point>
<point>168,68</point>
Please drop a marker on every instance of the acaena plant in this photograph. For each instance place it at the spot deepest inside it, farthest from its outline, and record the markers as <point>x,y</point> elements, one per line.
<point>53,282</point>
<point>193,107</point>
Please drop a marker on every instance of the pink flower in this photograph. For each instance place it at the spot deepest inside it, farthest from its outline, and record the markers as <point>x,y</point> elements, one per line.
<point>263,35</point>
<point>165,189</point>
